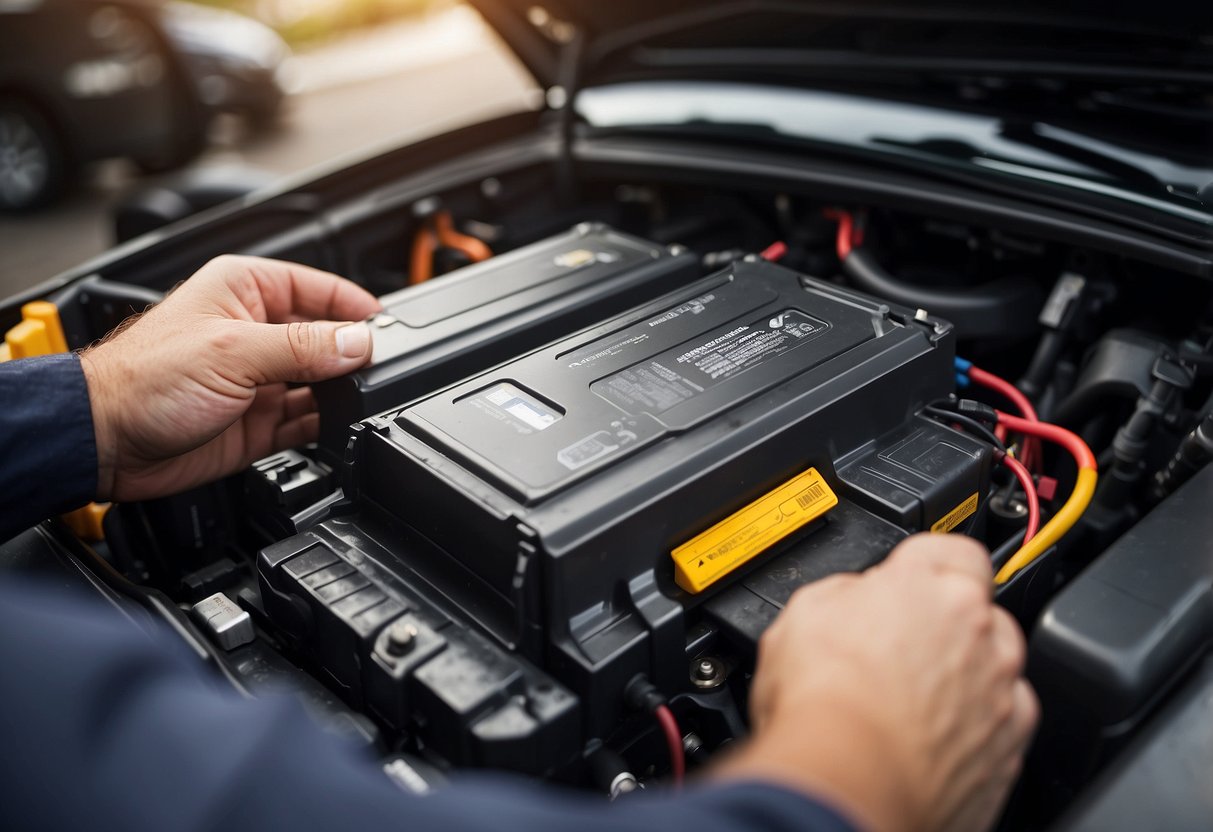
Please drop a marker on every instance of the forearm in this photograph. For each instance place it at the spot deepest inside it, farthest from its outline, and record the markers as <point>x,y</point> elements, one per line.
<point>145,741</point>
<point>48,455</point>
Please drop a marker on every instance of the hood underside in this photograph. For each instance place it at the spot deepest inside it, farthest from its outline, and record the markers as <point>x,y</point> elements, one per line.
<point>860,42</point>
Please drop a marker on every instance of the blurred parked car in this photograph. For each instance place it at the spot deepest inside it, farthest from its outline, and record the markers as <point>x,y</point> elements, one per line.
<point>82,80</point>
<point>233,61</point>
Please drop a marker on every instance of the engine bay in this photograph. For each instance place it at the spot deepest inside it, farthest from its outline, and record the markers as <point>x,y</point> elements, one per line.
<point>603,439</point>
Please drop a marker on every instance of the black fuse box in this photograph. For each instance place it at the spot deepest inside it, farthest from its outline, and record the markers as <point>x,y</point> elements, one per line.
<point>581,503</point>
<point>440,331</point>
<point>390,649</point>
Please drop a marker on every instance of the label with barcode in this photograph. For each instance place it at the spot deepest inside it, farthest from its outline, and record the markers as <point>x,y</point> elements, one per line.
<point>813,494</point>
<point>739,538</point>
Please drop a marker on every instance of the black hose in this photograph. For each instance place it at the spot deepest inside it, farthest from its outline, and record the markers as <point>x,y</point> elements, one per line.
<point>1044,363</point>
<point>1003,308</point>
<point>1119,367</point>
<point>1193,453</point>
<point>1132,441</point>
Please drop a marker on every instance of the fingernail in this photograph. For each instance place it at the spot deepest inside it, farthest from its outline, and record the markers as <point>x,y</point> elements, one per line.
<point>353,340</point>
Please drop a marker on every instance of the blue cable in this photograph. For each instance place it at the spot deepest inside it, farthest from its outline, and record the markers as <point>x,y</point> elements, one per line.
<point>962,371</point>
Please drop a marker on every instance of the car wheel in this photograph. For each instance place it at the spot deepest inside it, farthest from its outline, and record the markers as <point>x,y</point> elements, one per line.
<point>33,165</point>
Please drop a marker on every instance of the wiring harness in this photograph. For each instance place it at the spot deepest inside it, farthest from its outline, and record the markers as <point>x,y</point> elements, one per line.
<point>1071,510</point>
<point>995,426</point>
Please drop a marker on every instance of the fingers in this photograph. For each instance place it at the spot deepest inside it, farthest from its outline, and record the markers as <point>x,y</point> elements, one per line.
<point>1026,714</point>
<point>296,432</point>
<point>293,290</point>
<point>943,553</point>
<point>301,422</point>
<point>1010,656</point>
<point>1005,750</point>
<point>1009,643</point>
<point>298,402</point>
<point>277,419</point>
<point>303,351</point>
<point>290,291</point>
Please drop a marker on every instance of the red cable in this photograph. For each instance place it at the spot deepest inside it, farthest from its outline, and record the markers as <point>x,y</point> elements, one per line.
<point>846,225</point>
<point>1007,389</point>
<point>1043,430</point>
<point>850,233</point>
<point>673,739</point>
<point>1013,394</point>
<point>775,251</point>
<point>1029,489</point>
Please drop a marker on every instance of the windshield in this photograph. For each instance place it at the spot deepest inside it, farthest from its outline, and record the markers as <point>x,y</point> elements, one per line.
<point>945,138</point>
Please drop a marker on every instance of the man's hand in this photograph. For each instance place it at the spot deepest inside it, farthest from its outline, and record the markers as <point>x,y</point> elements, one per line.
<point>196,388</point>
<point>897,694</point>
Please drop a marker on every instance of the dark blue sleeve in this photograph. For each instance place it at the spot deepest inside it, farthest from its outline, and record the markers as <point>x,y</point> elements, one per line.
<point>48,454</point>
<point>105,727</point>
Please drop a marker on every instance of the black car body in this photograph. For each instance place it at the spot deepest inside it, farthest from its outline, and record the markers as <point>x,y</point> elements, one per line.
<point>1034,188</point>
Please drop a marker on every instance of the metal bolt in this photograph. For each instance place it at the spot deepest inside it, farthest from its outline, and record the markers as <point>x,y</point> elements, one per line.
<point>691,744</point>
<point>707,672</point>
<point>400,638</point>
<point>624,783</point>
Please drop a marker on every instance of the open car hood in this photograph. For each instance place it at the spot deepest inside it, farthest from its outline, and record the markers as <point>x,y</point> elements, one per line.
<point>1087,53</point>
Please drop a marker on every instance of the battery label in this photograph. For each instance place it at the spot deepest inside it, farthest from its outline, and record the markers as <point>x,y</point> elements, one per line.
<point>584,451</point>
<point>507,403</point>
<point>609,349</point>
<point>743,535</point>
<point>656,385</point>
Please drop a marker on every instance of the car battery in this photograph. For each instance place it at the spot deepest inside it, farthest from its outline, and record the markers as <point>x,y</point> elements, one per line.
<point>435,333</point>
<point>582,502</point>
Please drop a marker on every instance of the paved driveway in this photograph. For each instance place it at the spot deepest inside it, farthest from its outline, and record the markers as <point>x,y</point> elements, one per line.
<point>404,81</point>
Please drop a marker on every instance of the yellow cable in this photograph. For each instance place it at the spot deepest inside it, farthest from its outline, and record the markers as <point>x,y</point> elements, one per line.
<point>1062,522</point>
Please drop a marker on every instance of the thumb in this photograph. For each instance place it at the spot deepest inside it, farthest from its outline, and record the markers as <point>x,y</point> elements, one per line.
<point>305,350</point>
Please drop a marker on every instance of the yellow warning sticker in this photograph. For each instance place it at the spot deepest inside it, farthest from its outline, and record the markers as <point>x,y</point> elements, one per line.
<point>957,515</point>
<point>740,537</point>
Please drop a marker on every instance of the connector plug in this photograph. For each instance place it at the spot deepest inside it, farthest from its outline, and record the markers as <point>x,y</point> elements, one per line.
<point>977,410</point>
<point>642,695</point>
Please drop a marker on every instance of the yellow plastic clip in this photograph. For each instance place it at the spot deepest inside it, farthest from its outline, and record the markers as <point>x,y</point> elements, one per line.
<point>28,339</point>
<point>48,314</point>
